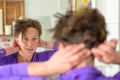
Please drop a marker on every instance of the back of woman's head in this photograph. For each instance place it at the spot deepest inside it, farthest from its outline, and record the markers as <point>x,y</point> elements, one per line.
<point>21,26</point>
<point>84,26</point>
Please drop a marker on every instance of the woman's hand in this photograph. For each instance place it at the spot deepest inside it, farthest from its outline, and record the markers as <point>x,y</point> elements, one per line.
<point>66,59</point>
<point>62,61</point>
<point>106,52</point>
<point>46,44</point>
<point>12,48</point>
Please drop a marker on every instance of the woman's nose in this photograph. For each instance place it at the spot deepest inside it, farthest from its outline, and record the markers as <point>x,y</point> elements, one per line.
<point>30,43</point>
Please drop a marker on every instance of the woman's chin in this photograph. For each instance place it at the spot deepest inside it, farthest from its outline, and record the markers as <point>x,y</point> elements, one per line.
<point>30,51</point>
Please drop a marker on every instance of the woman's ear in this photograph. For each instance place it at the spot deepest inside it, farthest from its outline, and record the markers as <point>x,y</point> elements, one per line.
<point>61,46</point>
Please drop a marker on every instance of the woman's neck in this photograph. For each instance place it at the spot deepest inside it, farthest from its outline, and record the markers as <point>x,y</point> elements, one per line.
<point>88,62</point>
<point>22,57</point>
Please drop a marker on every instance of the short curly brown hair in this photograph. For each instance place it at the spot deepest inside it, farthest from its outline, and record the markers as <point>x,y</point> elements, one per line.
<point>84,26</point>
<point>21,25</point>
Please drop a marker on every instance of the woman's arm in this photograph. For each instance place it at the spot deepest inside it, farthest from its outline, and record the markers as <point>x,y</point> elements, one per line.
<point>61,62</point>
<point>22,78</point>
<point>12,48</point>
<point>46,44</point>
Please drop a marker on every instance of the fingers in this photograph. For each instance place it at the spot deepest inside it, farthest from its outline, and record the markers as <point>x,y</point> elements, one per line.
<point>74,49</point>
<point>114,43</point>
<point>105,51</point>
<point>105,48</point>
<point>79,57</point>
<point>14,42</point>
<point>69,57</point>
<point>101,50</point>
<point>14,46</point>
<point>99,54</point>
<point>84,54</point>
<point>74,54</point>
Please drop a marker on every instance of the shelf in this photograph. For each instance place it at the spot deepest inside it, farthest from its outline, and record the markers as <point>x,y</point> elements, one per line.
<point>12,10</point>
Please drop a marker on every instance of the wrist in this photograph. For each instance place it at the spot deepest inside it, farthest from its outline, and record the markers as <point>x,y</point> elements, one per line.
<point>40,69</point>
<point>50,69</point>
<point>8,50</point>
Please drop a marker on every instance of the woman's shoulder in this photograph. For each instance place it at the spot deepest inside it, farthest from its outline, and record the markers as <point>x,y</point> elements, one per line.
<point>44,55</point>
<point>12,55</point>
<point>9,59</point>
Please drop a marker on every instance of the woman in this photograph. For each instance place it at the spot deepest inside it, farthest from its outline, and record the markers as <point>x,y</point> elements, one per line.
<point>88,27</point>
<point>27,34</point>
<point>84,26</point>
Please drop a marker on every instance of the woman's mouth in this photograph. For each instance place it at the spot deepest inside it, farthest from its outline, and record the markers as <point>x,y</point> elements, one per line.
<point>29,49</point>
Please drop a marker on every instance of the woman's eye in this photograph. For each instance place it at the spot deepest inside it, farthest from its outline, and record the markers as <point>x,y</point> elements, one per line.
<point>34,38</point>
<point>25,39</point>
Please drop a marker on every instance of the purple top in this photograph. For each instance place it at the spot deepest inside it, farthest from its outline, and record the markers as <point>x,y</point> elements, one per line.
<point>87,73</point>
<point>2,53</point>
<point>19,72</point>
<point>55,46</point>
<point>23,78</point>
<point>12,59</point>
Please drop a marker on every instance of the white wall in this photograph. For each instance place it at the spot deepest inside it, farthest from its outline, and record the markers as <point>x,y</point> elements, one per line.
<point>42,8</point>
<point>110,9</point>
<point>36,8</point>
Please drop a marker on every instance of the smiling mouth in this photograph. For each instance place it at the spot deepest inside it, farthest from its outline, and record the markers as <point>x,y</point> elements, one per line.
<point>29,49</point>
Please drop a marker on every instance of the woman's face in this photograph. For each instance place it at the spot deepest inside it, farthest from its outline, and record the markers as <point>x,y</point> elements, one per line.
<point>29,42</point>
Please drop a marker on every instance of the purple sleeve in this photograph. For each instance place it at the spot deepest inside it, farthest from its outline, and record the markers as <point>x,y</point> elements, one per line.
<point>22,78</point>
<point>43,56</point>
<point>87,73</point>
<point>17,72</point>
<point>20,69</point>
<point>2,53</point>
<point>55,46</point>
